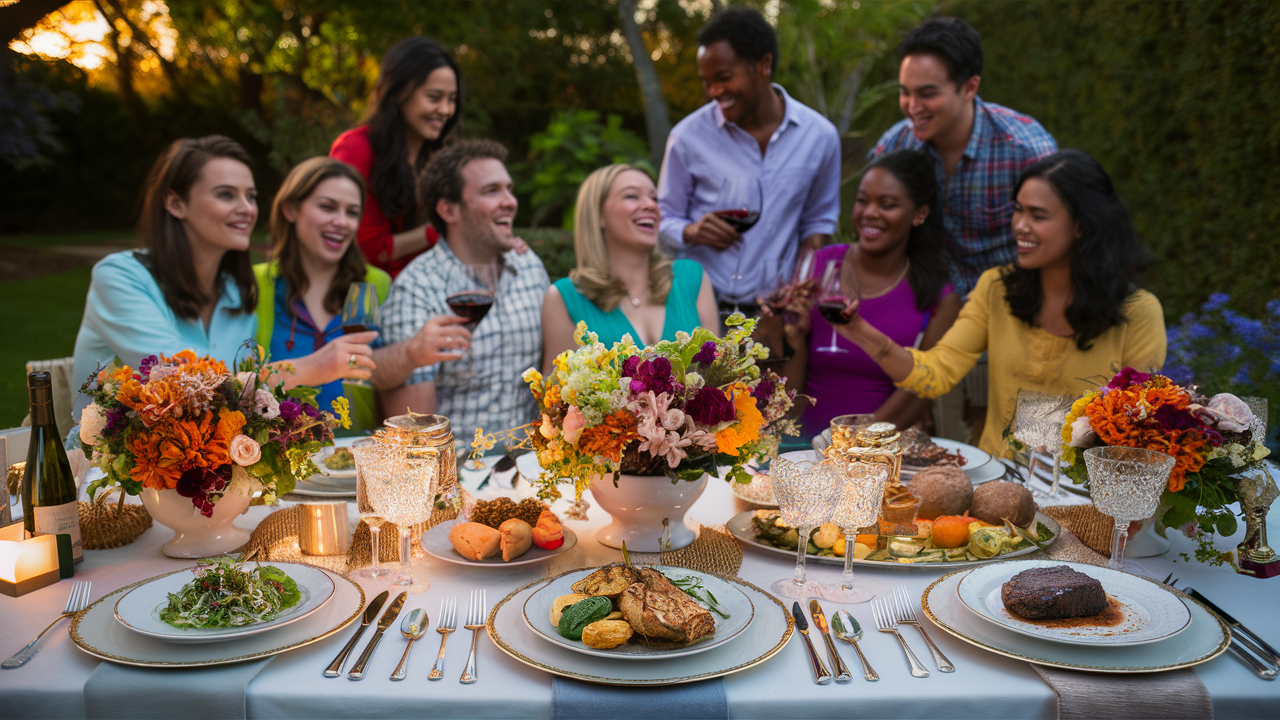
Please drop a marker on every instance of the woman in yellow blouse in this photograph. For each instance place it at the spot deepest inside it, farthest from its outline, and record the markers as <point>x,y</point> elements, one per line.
<point>1061,319</point>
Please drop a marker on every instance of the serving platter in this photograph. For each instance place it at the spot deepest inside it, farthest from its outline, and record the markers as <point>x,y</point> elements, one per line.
<point>1151,611</point>
<point>741,528</point>
<point>435,542</point>
<point>97,632</point>
<point>537,615</point>
<point>139,609</point>
<point>770,629</point>
<point>979,465</point>
<point>1205,638</point>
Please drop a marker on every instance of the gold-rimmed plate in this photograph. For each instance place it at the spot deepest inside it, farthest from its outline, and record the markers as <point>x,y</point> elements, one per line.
<point>767,633</point>
<point>1204,639</point>
<point>96,632</point>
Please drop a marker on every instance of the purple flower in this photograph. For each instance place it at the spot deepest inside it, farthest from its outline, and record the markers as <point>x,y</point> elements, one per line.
<point>1171,418</point>
<point>707,354</point>
<point>630,365</point>
<point>144,367</point>
<point>312,411</point>
<point>652,375</point>
<point>1128,377</point>
<point>709,407</point>
<point>762,392</point>
<point>199,483</point>
<point>116,419</point>
<point>289,410</point>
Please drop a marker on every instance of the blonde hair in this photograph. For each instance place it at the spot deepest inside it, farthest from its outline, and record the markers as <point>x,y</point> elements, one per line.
<point>594,276</point>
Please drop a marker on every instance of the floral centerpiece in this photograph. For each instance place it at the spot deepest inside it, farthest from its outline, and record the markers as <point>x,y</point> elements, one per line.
<point>1212,441</point>
<point>683,408</point>
<point>186,423</point>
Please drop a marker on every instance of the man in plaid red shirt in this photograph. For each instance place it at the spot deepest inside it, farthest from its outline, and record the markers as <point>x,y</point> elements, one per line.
<point>978,148</point>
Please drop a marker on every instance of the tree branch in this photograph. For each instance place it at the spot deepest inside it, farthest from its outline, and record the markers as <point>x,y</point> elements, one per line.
<point>18,17</point>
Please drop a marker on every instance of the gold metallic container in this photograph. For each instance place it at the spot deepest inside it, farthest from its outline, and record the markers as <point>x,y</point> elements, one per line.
<point>426,438</point>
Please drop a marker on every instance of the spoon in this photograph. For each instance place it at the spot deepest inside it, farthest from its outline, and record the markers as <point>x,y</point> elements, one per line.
<point>412,627</point>
<point>848,630</point>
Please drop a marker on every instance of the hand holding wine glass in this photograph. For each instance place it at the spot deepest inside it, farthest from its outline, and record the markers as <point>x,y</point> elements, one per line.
<point>838,299</point>
<point>740,201</point>
<point>471,290</point>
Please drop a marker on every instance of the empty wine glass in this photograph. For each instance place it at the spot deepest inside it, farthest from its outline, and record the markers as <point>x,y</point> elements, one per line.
<point>859,506</point>
<point>807,492</point>
<point>833,296</point>
<point>372,461</point>
<point>1037,423</point>
<point>740,201</point>
<point>1126,484</point>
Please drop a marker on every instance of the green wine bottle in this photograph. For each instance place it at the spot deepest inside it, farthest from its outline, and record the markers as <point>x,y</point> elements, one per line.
<point>49,504</point>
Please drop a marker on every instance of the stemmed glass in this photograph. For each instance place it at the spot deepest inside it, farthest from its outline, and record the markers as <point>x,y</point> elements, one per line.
<point>740,201</point>
<point>833,296</point>
<point>1037,423</point>
<point>396,484</point>
<point>359,314</point>
<point>1126,484</point>
<point>372,464</point>
<point>807,493</point>
<point>786,289</point>
<point>470,292</point>
<point>858,508</point>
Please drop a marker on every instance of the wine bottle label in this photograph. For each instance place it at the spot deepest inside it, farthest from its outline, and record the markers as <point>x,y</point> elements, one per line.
<point>58,520</point>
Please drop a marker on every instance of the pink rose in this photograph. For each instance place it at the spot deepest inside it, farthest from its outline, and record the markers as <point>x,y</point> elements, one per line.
<point>244,451</point>
<point>573,424</point>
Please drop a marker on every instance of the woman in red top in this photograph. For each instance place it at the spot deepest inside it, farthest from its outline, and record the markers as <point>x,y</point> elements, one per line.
<point>415,104</point>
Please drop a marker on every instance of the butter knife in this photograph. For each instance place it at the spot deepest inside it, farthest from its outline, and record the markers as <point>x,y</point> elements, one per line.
<point>1247,637</point>
<point>820,619</point>
<point>388,619</point>
<point>370,612</point>
<point>820,673</point>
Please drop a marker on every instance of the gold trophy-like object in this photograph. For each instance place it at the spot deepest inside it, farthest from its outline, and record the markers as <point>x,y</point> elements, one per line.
<point>1257,492</point>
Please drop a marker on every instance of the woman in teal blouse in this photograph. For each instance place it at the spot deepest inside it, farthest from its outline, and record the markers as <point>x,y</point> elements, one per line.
<point>623,284</point>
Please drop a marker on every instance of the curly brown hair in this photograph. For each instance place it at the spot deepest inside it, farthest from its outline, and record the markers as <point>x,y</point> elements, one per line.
<point>442,178</point>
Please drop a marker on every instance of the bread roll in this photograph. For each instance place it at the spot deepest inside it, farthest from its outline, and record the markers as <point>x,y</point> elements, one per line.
<point>474,541</point>
<point>516,538</point>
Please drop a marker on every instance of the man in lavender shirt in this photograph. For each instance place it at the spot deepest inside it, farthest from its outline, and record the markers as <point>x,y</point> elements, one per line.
<point>751,129</point>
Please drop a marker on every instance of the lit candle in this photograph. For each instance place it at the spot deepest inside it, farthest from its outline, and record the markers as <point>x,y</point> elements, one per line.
<point>323,529</point>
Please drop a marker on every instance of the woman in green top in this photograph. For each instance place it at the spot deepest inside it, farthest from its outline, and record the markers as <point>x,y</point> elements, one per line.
<point>623,284</point>
<point>300,293</point>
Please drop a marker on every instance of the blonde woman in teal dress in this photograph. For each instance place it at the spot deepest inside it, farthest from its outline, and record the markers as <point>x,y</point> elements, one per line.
<point>623,284</point>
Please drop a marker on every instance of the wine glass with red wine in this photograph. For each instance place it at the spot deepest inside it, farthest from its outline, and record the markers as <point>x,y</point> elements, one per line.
<point>786,289</point>
<point>471,290</point>
<point>359,314</point>
<point>833,296</point>
<point>740,200</point>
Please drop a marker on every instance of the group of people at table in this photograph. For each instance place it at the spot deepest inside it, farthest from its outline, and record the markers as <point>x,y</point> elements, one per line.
<point>975,235</point>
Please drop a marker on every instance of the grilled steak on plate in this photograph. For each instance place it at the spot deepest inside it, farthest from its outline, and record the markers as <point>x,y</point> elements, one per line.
<point>658,609</point>
<point>1053,592</point>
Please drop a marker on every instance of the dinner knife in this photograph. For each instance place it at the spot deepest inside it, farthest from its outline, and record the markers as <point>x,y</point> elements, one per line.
<point>820,673</point>
<point>388,619</point>
<point>370,612</point>
<point>842,671</point>
<point>1247,637</point>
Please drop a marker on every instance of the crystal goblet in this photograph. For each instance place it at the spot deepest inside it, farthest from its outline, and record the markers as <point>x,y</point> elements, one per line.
<point>858,507</point>
<point>1126,484</point>
<point>374,460</point>
<point>807,492</point>
<point>1037,423</point>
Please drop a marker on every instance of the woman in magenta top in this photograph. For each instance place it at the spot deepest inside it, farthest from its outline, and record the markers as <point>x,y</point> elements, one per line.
<point>415,104</point>
<point>900,263</point>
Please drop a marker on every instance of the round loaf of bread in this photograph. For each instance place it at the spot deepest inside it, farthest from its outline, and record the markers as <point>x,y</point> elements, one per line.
<point>944,490</point>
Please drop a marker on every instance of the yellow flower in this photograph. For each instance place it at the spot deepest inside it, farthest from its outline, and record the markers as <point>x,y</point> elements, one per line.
<point>343,409</point>
<point>746,426</point>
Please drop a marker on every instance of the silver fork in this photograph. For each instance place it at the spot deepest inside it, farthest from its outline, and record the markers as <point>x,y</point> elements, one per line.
<point>447,623</point>
<point>78,601</point>
<point>885,623</point>
<point>907,616</point>
<point>475,623</point>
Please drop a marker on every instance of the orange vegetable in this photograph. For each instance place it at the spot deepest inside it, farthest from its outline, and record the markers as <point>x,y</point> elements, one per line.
<point>951,531</point>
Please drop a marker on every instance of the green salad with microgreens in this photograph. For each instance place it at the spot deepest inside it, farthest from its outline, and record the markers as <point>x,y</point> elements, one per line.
<point>225,595</point>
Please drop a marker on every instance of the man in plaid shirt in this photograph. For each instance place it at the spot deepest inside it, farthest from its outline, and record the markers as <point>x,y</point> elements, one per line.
<point>978,148</point>
<point>468,196</point>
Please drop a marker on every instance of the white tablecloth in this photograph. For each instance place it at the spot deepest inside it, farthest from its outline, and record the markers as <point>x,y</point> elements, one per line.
<point>984,685</point>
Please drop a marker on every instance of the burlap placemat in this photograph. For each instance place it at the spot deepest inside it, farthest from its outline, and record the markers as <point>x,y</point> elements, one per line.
<point>1086,523</point>
<point>714,551</point>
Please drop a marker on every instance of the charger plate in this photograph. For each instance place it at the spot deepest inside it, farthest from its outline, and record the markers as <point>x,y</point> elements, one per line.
<point>1206,638</point>
<point>768,632</point>
<point>96,632</point>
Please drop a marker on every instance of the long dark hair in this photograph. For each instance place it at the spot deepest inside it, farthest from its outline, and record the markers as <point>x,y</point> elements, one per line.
<point>169,250</point>
<point>926,243</point>
<point>405,66</point>
<point>1105,259</point>
<point>298,185</point>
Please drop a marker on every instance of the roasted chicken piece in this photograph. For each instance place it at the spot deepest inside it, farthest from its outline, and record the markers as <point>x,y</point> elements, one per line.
<point>609,581</point>
<point>658,609</point>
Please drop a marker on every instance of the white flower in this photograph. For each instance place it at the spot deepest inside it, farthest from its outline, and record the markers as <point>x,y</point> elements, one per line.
<point>92,423</point>
<point>1082,434</point>
<point>244,451</point>
<point>266,404</point>
<point>1230,412</point>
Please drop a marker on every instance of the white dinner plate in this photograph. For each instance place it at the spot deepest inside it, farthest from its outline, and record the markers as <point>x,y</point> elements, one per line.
<point>1151,611</point>
<point>97,632</point>
<point>767,634</point>
<point>741,527</point>
<point>758,492</point>
<point>327,473</point>
<point>1206,638</point>
<point>139,609</point>
<point>537,615</point>
<point>310,489</point>
<point>435,542</point>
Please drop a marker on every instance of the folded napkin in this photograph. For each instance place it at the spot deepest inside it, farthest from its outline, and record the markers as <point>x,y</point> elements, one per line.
<point>134,693</point>
<point>1085,695</point>
<point>577,700</point>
